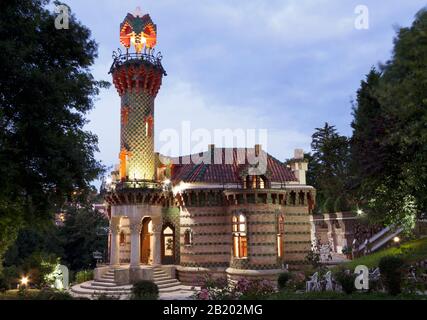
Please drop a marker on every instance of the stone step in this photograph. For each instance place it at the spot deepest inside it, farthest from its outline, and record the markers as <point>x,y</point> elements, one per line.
<point>166,281</point>
<point>155,279</point>
<point>163,276</point>
<point>106,289</point>
<point>168,285</point>
<point>105,280</point>
<point>103,284</point>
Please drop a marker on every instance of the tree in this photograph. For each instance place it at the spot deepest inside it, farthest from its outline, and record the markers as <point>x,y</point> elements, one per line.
<point>84,232</point>
<point>329,165</point>
<point>389,153</point>
<point>46,89</point>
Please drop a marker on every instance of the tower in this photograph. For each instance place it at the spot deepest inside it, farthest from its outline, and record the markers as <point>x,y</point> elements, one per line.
<point>137,77</point>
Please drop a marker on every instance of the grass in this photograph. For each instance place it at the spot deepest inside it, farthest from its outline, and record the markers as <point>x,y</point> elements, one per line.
<point>411,251</point>
<point>342,296</point>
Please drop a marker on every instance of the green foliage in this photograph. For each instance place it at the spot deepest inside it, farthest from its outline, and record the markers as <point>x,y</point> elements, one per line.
<point>51,294</point>
<point>389,155</point>
<point>83,233</point>
<point>283,279</point>
<point>391,268</point>
<point>346,280</point>
<point>84,275</point>
<point>329,169</point>
<point>145,290</point>
<point>46,90</point>
<point>411,252</point>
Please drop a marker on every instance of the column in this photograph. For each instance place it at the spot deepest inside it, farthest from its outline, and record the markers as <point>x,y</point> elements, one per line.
<point>135,242</point>
<point>157,233</point>
<point>115,241</point>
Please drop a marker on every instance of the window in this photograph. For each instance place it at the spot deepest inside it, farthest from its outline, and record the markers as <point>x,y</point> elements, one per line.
<point>188,237</point>
<point>168,241</point>
<point>122,238</point>
<point>240,242</point>
<point>254,182</point>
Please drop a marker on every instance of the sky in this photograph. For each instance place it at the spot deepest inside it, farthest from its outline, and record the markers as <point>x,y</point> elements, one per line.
<point>286,66</point>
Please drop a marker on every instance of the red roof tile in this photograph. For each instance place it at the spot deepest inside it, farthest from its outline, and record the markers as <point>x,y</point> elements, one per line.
<point>228,164</point>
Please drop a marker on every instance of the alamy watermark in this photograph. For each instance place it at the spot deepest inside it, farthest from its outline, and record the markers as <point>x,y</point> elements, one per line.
<point>362,19</point>
<point>62,20</point>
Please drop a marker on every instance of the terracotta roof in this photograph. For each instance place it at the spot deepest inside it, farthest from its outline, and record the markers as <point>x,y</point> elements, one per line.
<point>227,167</point>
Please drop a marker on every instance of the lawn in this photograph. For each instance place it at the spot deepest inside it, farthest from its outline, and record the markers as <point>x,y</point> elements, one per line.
<point>411,251</point>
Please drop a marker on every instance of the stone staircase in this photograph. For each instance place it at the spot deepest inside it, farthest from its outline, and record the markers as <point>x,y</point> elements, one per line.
<point>106,286</point>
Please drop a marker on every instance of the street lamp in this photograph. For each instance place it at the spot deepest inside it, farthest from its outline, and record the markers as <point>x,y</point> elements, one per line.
<point>396,240</point>
<point>24,281</point>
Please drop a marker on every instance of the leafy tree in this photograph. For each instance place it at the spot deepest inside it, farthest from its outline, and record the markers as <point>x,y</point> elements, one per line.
<point>328,169</point>
<point>46,89</point>
<point>389,153</point>
<point>84,232</point>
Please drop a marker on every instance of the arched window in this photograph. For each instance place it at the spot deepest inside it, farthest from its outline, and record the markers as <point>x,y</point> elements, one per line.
<point>168,242</point>
<point>122,238</point>
<point>188,237</point>
<point>240,242</point>
<point>281,229</point>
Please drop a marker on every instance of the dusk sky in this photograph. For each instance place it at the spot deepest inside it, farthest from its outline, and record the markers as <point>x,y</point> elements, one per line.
<point>287,66</point>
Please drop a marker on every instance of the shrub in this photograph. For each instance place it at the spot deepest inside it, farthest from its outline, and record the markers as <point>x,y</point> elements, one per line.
<point>145,290</point>
<point>214,289</point>
<point>84,275</point>
<point>346,280</point>
<point>52,294</point>
<point>283,279</point>
<point>391,268</point>
<point>253,289</point>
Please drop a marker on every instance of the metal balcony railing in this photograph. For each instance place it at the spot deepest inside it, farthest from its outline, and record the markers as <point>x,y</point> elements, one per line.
<point>120,58</point>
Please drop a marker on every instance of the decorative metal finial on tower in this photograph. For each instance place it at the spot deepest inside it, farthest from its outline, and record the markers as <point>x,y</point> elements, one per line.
<point>139,31</point>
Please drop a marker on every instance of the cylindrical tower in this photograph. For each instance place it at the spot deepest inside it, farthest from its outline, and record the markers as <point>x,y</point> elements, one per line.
<point>137,77</point>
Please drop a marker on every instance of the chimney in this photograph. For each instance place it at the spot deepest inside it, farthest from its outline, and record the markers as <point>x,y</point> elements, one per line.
<point>258,149</point>
<point>299,166</point>
<point>211,149</point>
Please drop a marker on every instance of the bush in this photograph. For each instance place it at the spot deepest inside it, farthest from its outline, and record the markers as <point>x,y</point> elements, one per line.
<point>283,279</point>
<point>145,290</point>
<point>84,275</point>
<point>346,280</point>
<point>51,294</point>
<point>253,289</point>
<point>391,268</point>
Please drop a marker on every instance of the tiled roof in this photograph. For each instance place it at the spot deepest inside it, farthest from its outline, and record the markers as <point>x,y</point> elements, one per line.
<point>227,167</point>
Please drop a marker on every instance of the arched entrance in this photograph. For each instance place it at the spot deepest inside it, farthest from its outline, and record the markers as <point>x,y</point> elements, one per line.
<point>146,234</point>
<point>168,244</point>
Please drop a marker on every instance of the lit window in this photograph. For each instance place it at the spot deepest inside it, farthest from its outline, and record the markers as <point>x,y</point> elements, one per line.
<point>122,238</point>
<point>240,243</point>
<point>261,183</point>
<point>188,237</point>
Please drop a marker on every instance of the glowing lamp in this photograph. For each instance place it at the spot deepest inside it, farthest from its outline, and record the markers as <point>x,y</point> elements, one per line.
<point>24,281</point>
<point>396,239</point>
<point>359,212</point>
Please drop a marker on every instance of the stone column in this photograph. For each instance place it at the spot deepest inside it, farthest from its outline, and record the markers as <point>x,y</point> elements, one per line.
<point>157,233</point>
<point>135,242</point>
<point>115,241</point>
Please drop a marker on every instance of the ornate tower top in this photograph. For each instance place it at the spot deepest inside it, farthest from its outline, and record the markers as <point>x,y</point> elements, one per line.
<point>138,31</point>
<point>137,77</point>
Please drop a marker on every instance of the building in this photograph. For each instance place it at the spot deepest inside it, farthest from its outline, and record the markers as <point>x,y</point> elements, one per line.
<point>239,212</point>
